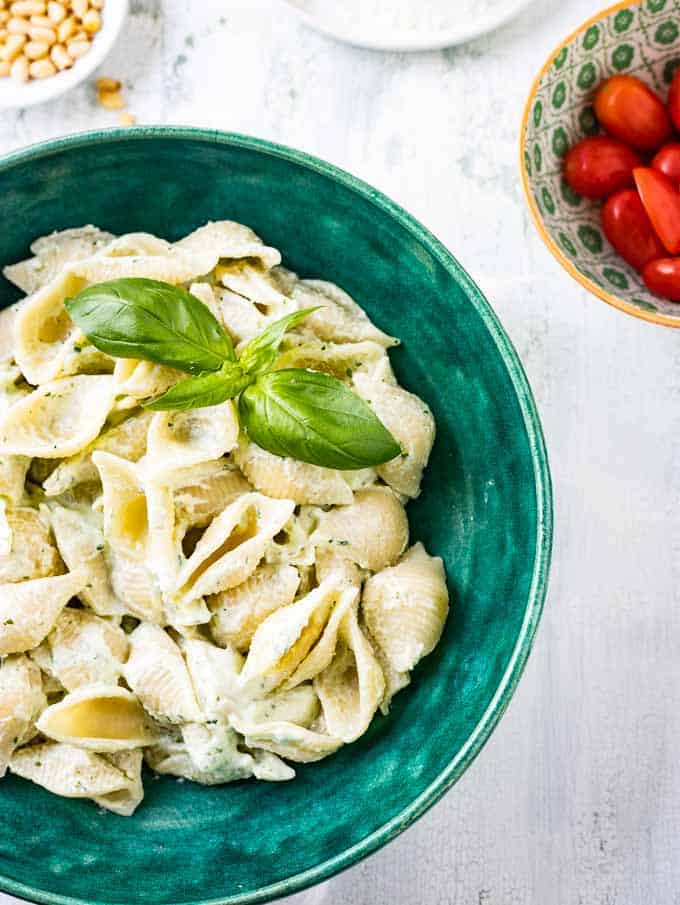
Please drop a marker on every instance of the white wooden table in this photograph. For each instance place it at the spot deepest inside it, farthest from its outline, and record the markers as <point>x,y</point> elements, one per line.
<point>576,799</point>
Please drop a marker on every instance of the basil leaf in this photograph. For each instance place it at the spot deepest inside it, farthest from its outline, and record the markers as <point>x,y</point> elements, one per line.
<point>260,353</point>
<point>209,388</point>
<point>313,417</point>
<point>139,318</point>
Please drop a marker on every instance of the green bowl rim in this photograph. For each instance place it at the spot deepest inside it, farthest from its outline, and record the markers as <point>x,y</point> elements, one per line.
<point>543,486</point>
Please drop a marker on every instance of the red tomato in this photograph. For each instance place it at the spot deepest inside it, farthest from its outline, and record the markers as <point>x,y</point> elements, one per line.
<point>628,228</point>
<point>663,278</point>
<point>674,99</point>
<point>630,111</point>
<point>598,166</point>
<point>667,161</point>
<point>662,203</point>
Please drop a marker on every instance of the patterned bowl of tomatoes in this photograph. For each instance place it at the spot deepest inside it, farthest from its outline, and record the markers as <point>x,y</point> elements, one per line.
<point>600,157</point>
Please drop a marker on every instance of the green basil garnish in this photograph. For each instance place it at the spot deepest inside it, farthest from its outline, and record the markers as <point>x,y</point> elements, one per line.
<point>139,318</point>
<point>303,414</point>
<point>315,418</point>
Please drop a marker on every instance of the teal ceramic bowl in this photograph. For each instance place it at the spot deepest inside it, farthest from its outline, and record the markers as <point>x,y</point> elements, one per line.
<point>485,508</point>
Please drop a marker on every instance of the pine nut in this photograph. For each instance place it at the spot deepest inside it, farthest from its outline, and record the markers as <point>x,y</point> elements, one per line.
<point>42,21</point>
<point>127,119</point>
<point>97,4</point>
<point>56,12</point>
<point>106,84</point>
<point>36,50</point>
<point>4,68</point>
<point>3,35</point>
<point>78,49</point>
<point>42,69</point>
<point>12,48</point>
<point>17,26</point>
<point>47,35</point>
<point>19,70</point>
<point>92,22</point>
<point>60,57</point>
<point>79,7</point>
<point>111,100</point>
<point>27,8</point>
<point>66,30</point>
<point>4,15</point>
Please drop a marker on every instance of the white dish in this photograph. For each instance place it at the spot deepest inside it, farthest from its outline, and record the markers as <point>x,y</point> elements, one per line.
<point>471,27</point>
<point>17,94</point>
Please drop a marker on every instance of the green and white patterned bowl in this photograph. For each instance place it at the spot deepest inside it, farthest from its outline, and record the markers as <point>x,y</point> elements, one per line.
<point>641,38</point>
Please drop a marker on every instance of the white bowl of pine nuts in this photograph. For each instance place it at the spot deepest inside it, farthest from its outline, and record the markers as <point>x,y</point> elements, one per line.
<point>48,46</point>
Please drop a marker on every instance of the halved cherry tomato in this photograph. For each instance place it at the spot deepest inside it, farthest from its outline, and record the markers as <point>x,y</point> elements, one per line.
<point>598,166</point>
<point>674,99</point>
<point>629,229</point>
<point>662,277</point>
<point>662,203</point>
<point>667,161</point>
<point>631,112</point>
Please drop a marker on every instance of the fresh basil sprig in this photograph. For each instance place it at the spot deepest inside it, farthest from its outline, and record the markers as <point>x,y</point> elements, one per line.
<point>307,415</point>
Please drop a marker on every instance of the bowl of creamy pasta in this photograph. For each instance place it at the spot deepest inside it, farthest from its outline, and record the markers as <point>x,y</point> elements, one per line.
<point>275,519</point>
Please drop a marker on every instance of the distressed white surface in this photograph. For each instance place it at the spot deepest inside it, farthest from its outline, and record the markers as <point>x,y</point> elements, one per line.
<point>576,799</point>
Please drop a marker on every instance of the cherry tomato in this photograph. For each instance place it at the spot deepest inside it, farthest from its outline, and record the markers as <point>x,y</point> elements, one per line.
<point>662,203</point>
<point>667,161</point>
<point>629,229</point>
<point>598,166</point>
<point>674,99</point>
<point>662,277</point>
<point>631,112</point>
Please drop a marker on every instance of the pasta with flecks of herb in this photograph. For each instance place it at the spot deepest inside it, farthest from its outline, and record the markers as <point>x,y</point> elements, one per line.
<point>205,561</point>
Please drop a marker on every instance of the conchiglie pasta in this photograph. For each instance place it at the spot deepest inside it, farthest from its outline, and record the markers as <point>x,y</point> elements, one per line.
<point>411,422</point>
<point>179,440</point>
<point>59,418</point>
<point>31,553</point>
<point>102,718</point>
<point>339,318</point>
<point>288,479</point>
<point>86,649</point>
<point>68,771</point>
<point>22,700</point>
<point>405,608</point>
<point>373,531</point>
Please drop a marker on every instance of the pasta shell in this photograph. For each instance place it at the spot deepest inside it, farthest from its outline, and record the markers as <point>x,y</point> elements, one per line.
<point>202,492</point>
<point>340,319</point>
<point>53,253</point>
<point>102,718</point>
<point>44,334</point>
<point>239,611</point>
<point>373,531</point>
<point>81,543</point>
<point>352,687</point>
<point>135,587</point>
<point>32,553</point>
<point>270,767</point>
<point>29,609</point>
<point>329,560</point>
<point>298,705</point>
<point>126,801</point>
<point>341,360</point>
<point>255,283</point>
<point>21,701</point>
<point>143,379</point>
<point>86,650</point>
<point>127,440</point>
<point>59,418</point>
<point>68,771</point>
<point>287,638</point>
<point>242,319</point>
<point>214,675</point>
<point>224,239</point>
<point>134,245</point>
<point>157,674</point>
<point>205,754</point>
<point>405,608</point>
<point>233,545</point>
<point>287,740</point>
<point>411,422</point>
<point>182,439</point>
<point>287,479</point>
<point>13,477</point>
<point>126,520</point>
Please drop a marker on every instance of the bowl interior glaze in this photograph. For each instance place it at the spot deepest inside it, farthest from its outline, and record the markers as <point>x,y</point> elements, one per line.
<point>639,38</point>
<point>485,508</point>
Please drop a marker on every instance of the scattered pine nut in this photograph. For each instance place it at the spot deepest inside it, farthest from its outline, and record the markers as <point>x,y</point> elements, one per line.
<point>127,119</point>
<point>111,100</point>
<point>19,70</point>
<point>106,84</point>
<point>42,69</point>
